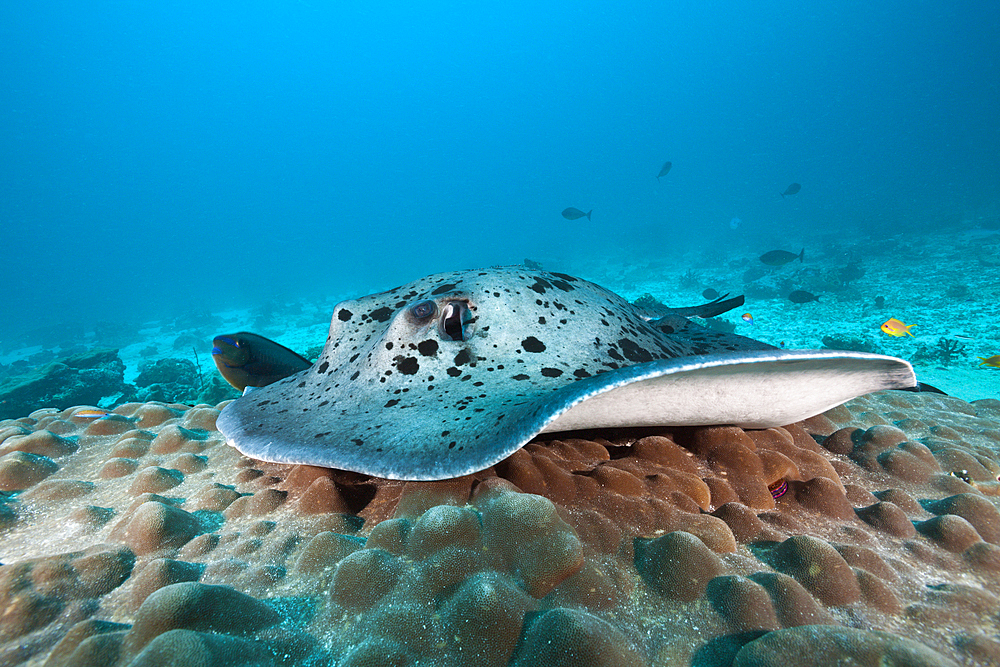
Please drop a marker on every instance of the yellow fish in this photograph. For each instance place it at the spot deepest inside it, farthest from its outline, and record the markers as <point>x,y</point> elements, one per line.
<point>993,361</point>
<point>894,327</point>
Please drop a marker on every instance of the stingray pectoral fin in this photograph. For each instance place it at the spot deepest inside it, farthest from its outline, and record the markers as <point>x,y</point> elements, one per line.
<point>758,389</point>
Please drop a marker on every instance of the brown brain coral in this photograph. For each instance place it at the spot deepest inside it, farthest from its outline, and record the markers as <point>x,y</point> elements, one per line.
<point>143,538</point>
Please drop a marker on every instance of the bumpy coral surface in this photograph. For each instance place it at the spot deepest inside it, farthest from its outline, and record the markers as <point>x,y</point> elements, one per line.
<point>868,535</point>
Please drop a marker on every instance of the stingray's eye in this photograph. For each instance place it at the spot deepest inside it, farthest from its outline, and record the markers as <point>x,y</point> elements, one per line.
<point>423,310</point>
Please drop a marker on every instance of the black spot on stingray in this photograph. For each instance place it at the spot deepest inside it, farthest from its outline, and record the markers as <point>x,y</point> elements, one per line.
<point>551,372</point>
<point>301,384</point>
<point>356,374</point>
<point>563,285</point>
<point>613,353</point>
<point>463,357</point>
<point>454,372</point>
<point>580,373</point>
<point>520,376</point>
<point>428,347</point>
<point>355,357</point>
<point>569,279</point>
<point>444,433</point>
<point>633,352</point>
<point>532,344</point>
<point>540,286</point>
<point>344,315</point>
<point>322,403</point>
<point>447,287</point>
<point>358,441</point>
<point>381,314</point>
<point>388,345</point>
<point>408,365</point>
<point>391,403</point>
<point>541,320</point>
<point>323,366</point>
<point>320,435</point>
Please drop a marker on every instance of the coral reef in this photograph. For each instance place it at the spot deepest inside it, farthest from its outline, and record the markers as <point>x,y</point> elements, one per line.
<point>170,380</point>
<point>945,353</point>
<point>312,354</point>
<point>78,379</point>
<point>142,538</point>
<point>853,271</point>
<point>689,279</point>
<point>98,376</point>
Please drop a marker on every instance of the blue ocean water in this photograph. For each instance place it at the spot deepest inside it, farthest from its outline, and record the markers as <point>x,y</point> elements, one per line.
<point>163,157</point>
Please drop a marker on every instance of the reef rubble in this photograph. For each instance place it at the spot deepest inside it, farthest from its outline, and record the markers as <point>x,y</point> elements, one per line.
<point>867,535</point>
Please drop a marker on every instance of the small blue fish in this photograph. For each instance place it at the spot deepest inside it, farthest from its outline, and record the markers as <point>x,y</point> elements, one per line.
<point>747,317</point>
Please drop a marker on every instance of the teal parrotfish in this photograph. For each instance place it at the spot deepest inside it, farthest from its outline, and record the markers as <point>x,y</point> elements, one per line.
<point>248,360</point>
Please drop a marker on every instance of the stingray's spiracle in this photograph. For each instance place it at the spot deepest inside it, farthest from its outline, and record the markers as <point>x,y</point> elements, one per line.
<point>456,321</point>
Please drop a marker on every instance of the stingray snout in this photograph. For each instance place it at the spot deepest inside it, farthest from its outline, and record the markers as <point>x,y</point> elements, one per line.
<point>456,321</point>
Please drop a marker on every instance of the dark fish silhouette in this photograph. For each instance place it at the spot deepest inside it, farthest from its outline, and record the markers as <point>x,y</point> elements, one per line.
<point>249,360</point>
<point>575,214</point>
<point>664,170</point>
<point>801,296</point>
<point>791,190</point>
<point>781,257</point>
<point>852,271</point>
<point>710,294</point>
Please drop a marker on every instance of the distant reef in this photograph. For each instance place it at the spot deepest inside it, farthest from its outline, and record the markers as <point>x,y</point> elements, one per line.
<point>97,377</point>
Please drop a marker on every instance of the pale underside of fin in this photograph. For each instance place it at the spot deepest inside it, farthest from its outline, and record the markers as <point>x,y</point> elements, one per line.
<point>751,389</point>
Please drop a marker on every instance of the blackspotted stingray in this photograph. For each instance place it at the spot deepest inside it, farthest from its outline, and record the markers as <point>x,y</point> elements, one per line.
<point>454,372</point>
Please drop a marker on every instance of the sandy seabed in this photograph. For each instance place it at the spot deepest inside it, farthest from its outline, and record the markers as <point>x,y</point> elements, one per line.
<point>143,539</point>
